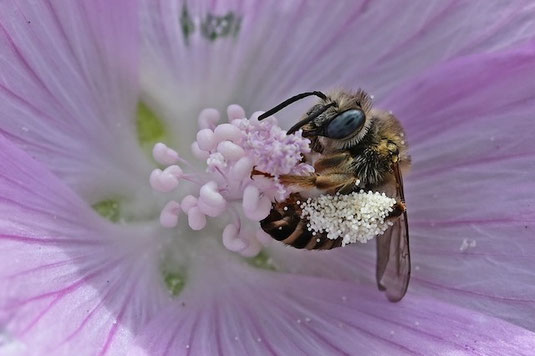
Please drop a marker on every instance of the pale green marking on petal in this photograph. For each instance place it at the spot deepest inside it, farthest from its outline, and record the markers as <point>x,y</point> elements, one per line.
<point>262,260</point>
<point>109,209</point>
<point>174,281</point>
<point>214,27</point>
<point>150,129</point>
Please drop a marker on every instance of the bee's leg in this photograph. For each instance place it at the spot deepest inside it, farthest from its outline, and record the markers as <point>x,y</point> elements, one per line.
<point>333,182</point>
<point>398,209</point>
<point>323,182</point>
<point>330,183</point>
<point>337,172</point>
<point>256,172</point>
<point>299,181</point>
<point>350,186</point>
<point>332,172</point>
<point>338,162</point>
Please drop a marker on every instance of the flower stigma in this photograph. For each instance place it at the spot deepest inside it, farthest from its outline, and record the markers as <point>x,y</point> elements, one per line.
<point>228,189</point>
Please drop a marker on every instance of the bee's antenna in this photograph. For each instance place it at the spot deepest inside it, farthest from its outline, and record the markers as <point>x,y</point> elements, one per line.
<point>309,118</point>
<point>287,102</point>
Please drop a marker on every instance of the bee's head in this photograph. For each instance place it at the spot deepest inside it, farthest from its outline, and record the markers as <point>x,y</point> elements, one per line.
<point>341,120</point>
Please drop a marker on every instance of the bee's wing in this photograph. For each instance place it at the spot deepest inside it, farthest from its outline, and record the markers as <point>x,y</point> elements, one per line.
<point>393,255</point>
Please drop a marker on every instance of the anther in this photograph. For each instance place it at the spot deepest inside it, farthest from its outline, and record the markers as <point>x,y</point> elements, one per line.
<point>208,118</point>
<point>169,214</point>
<point>164,155</point>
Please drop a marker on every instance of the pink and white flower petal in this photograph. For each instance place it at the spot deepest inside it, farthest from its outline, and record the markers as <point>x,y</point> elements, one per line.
<point>69,89</point>
<point>241,311</point>
<point>265,51</point>
<point>470,192</point>
<point>69,280</point>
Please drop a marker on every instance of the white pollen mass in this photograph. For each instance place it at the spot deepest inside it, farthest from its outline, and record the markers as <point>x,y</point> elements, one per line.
<point>356,217</point>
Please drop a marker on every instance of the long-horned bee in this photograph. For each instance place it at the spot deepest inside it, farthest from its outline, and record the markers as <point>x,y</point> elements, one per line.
<point>354,146</point>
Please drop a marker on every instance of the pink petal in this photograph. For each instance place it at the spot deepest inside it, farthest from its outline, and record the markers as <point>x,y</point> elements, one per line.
<point>283,48</point>
<point>240,311</point>
<point>68,88</point>
<point>69,280</point>
<point>470,123</point>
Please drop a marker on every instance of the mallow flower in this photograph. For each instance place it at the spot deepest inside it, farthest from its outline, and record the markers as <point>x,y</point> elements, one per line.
<point>87,88</point>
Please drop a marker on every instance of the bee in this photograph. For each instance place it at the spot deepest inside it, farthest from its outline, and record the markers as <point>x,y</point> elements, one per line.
<point>354,146</point>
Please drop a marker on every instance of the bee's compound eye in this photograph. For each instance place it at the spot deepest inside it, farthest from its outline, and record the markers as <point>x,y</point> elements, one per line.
<point>345,123</point>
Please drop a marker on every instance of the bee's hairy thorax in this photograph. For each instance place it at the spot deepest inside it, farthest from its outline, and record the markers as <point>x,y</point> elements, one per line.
<point>372,155</point>
<point>371,160</point>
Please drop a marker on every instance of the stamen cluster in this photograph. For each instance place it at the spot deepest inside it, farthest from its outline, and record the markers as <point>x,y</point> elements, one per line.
<point>231,151</point>
<point>356,217</point>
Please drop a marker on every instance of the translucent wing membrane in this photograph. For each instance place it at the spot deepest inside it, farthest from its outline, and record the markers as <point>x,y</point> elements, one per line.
<point>393,255</point>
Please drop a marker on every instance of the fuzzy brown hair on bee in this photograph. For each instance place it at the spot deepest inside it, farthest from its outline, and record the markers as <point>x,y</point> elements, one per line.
<point>354,147</point>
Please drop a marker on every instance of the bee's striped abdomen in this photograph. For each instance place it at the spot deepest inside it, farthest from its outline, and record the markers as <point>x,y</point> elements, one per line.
<point>284,223</point>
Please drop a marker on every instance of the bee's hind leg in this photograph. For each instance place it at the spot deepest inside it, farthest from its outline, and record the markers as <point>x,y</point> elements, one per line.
<point>398,209</point>
<point>350,186</point>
